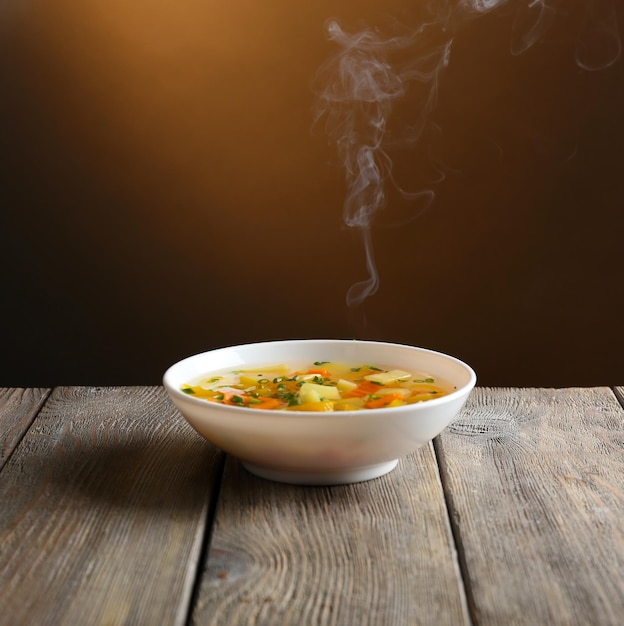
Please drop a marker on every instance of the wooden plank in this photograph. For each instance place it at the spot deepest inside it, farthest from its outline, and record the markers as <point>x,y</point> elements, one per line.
<point>619,392</point>
<point>535,490</point>
<point>104,507</point>
<point>18,408</point>
<point>377,552</point>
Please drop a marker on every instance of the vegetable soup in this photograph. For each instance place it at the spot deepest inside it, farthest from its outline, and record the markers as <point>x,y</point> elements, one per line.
<point>319,386</point>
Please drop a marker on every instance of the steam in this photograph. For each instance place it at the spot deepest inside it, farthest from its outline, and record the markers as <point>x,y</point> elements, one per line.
<point>371,71</point>
<point>532,22</point>
<point>361,87</point>
<point>599,45</point>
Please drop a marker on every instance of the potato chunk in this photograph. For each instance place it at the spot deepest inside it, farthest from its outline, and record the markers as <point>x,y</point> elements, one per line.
<point>311,392</point>
<point>385,378</point>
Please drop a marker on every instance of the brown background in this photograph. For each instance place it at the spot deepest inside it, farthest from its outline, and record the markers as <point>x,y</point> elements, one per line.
<point>163,192</point>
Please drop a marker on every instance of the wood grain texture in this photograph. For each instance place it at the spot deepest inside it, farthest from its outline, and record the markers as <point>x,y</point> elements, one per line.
<point>534,480</point>
<point>18,408</point>
<point>377,552</point>
<point>104,507</point>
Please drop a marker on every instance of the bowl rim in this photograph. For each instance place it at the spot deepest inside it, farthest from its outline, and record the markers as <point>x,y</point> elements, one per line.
<point>450,397</point>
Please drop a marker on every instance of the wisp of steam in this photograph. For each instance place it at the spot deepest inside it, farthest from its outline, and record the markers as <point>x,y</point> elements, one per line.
<point>370,71</point>
<point>360,87</point>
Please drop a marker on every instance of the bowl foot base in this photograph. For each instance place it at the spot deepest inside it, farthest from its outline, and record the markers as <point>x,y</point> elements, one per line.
<point>335,477</point>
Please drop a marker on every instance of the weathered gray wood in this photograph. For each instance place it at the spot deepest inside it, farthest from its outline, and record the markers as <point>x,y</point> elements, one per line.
<point>378,552</point>
<point>104,507</point>
<point>18,408</point>
<point>535,482</point>
<point>619,392</point>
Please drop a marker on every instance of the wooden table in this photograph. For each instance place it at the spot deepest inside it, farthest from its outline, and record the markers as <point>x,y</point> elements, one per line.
<point>113,511</point>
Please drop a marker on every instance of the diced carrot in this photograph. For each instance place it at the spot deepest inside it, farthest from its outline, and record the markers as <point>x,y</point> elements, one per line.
<point>228,398</point>
<point>355,393</point>
<point>266,403</point>
<point>369,386</point>
<point>363,389</point>
<point>320,371</point>
<point>381,401</point>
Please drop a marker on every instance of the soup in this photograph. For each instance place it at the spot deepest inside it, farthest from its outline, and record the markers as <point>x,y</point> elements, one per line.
<point>318,386</point>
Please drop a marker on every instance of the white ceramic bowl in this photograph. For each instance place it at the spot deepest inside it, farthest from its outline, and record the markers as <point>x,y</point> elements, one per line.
<point>320,448</point>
